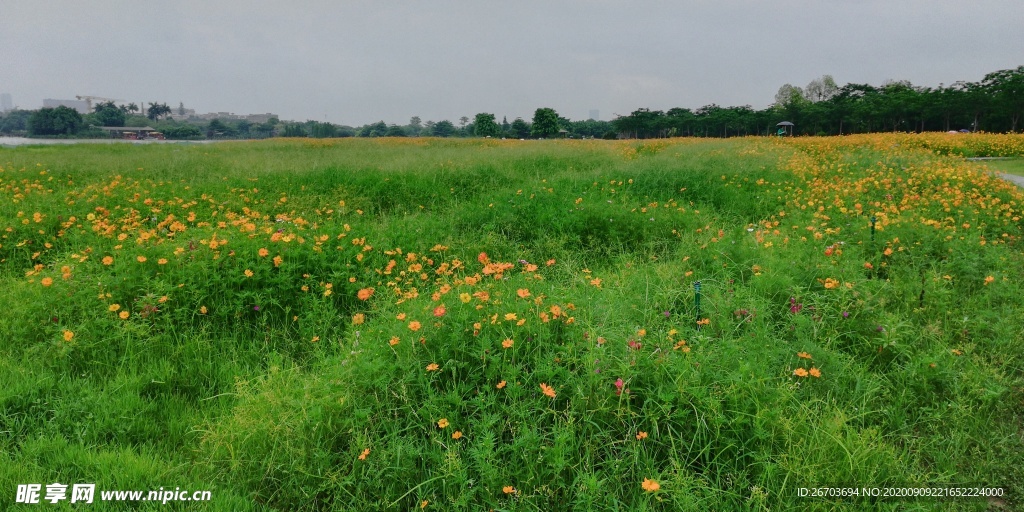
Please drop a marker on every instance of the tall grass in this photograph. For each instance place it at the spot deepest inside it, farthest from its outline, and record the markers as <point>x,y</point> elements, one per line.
<point>513,325</point>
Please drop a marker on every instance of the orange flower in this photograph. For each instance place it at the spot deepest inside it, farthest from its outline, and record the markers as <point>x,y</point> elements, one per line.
<point>800,372</point>
<point>263,252</point>
<point>501,385</point>
<point>108,260</point>
<point>424,503</point>
<point>278,260</point>
<point>362,456</point>
<point>358,319</point>
<point>548,390</point>
<point>868,265</point>
<point>442,423</point>
<point>549,262</point>
<point>365,293</point>
<point>440,311</point>
<point>831,283</point>
<point>432,367</point>
<point>248,273</point>
<point>124,315</point>
<point>523,293</point>
<point>415,325</point>
<point>161,261</point>
<point>113,307</point>
<point>482,258</point>
<point>68,335</point>
<point>457,434</point>
<point>704,321</point>
<point>140,259</point>
<point>887,251</point>
<point>400,316</point>
<point>989,279</point>
<point>393,341</point>
<point>641,435</point>
<point>510,316</point>
<point>47,281</point>
<point>816,373</point>
<point>203,310</point>
<point>650,485</point>
<point>803,355</point>
<point>507,343</point>
<point>508,489</point>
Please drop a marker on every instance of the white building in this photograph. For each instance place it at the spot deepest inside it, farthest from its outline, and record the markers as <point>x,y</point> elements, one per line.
<point>81,106</point>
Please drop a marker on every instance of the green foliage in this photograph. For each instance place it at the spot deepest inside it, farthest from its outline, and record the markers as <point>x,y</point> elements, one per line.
<point>545,123</point>
<point>157,111</point>
<point>108,114</point>
<point>54,121</point>
<point>269,352</point>
<point>484,125</point>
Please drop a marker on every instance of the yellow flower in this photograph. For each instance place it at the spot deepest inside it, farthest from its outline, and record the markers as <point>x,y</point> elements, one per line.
<point>203,310</point>
<point>113,307</point>
<point>358,319</point>
<point>457,434</point>
<point>424,503</point>
<point>650,485</point>
<point>442,423</point>
<point>248,273</point>
<point>124,315</point>
<point>68,335</point>
<point>465,297</point>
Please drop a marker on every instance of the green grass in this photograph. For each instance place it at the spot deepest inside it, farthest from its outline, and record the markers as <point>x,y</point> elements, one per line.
<point>569,264</point>
<point>1010,166</point>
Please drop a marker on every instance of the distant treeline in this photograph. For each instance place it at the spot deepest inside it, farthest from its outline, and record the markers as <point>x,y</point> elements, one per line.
<point>822,107</point>
<point>994,104</point>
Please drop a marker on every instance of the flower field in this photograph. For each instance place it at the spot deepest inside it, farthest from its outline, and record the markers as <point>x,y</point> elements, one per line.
<point>407,324</point>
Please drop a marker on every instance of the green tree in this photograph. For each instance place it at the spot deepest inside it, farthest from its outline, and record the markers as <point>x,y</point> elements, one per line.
<point>395,131</point>
<point>484,125</point>
<point>545,123</point>
<point>1007,90</point>
<point>520,129</point>
<point>15,121</point>
<point>443,129</point>
<point>108,114</point>
<point>54,121</point>
<point>157,111</point>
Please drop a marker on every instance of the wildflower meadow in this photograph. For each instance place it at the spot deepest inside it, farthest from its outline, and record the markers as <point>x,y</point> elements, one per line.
<point>434,324</point>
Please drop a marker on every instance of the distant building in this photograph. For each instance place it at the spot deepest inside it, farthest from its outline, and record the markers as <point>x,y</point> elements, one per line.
<point>5,102</point>
<point>81,106</point>
<point>252,118</point>
<point>595,115</point>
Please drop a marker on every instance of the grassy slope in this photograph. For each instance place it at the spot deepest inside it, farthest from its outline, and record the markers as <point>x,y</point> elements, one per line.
<point>268,388</point>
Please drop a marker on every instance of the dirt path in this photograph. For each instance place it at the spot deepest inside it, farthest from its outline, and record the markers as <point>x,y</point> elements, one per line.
<point>1019,180</point>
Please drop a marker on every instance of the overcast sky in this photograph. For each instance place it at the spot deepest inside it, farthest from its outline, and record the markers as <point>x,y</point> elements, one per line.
<point>356,62</point>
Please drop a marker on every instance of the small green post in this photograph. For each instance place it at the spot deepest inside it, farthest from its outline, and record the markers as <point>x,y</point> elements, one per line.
<point>696,301</point>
